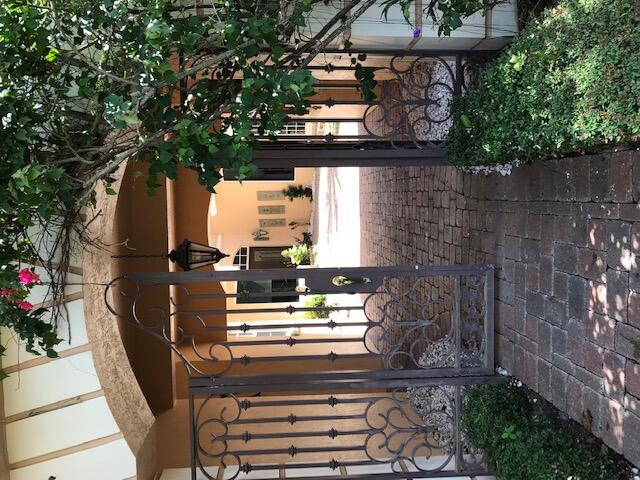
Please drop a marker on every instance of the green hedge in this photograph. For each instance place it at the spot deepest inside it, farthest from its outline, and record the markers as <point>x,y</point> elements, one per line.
<point>570,82</point>
<point>528,445</point>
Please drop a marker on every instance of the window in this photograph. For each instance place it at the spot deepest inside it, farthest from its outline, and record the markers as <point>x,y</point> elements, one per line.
<point>242,258</point>
<point>271,291</point>
<point>293,128</point>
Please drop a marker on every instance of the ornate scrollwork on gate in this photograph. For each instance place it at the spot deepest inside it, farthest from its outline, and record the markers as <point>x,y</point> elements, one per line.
<point>413,105</point>
<point>406,430</point>
<point>418,322</point>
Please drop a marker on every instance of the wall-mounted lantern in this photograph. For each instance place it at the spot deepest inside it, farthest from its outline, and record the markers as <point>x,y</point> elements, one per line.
<point>188,255</point>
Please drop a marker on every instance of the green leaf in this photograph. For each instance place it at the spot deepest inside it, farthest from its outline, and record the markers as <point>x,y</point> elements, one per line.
<point>277,52</point>
<point>52,55</point>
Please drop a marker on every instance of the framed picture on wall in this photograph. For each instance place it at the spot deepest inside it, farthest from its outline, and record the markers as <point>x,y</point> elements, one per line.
<point>269,195</point>
<point>272,222</point>
<point>270,209</point>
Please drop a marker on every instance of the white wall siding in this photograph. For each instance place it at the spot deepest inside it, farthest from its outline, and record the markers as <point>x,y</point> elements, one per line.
<point>112,461</point>
<point>71,337</point>
<point>49,383</point>
<point>61,428</point>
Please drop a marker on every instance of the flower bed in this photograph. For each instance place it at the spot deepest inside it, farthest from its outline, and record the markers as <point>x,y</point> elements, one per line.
<point>527,440</point>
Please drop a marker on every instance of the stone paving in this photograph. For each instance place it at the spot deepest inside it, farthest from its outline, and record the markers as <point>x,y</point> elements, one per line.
<point>565,239</point>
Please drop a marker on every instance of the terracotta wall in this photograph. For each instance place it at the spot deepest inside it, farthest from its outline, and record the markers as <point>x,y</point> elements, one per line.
<point>188,212</point>
<point>141,223</point>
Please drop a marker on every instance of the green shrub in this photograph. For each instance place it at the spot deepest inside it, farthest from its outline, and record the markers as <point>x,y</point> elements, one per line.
<point>570,82</point>
<point>316,301</point>
<point>527,444</point>
<point>298,191</point>
<point>298,254</point>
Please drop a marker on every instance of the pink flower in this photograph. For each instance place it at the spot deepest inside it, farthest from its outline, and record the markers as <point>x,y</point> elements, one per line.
<point>24,305</point>
<point>9,293</point>
<point>27,277</point>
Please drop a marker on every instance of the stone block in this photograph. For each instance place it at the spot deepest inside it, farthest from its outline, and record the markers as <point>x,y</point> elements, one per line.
<point>527,344</point>
<point>599,178</point>
<point>593,358</point>
<point>534,223</point>
<point>577,297</point>
<point>573,229</point>
<point>609,211</point>
<point>597,301</point>
<point>600,330</point>
<point>632,404</point>
<point>574,398</point>
<point>617,294</point>
<point>560,281</point>
<point>633,309</point>
<point>504,291</point>
<point>547,234</point>
<point>565,258</point>
<point>559,388</point>
<point>518,362</point>
<point>512,247</point>
<point>504,316</point>
<point>546,275</point>
<point>555,312</point>
<point>533,277</point>
<point>516,224</point>
<point>591,401</point>
<point>535,304</point>
<point>519,314</point>
<point>628,341</point>
<point>619,248</point>
<point>630,212</point>
<point>564,364</point>
<point>558,341</point>
<point>635,175</point>
<point>548,184</point>
<point>509,270</point>
<point>594,382</point>
<point>632,437</point>
<point>632,378</point>
<point>581,179</point>
<point>530,250</point>
<point>544,340</point>
<point>575,341</point>
<point>597,232</point>
<point>504,352</point>
<point>531,327</point>
<point>614,375</point>
<point>520,279</point>
<point>531,370</point>
<point>592,264</point>
<point>544,379</point>
<point>611,424</point>
<point>620,180</point>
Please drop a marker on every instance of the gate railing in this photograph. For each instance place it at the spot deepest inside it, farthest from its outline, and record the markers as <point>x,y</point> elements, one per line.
<point>377,394</point>
<point>406,123</point>
<point>437,319</point>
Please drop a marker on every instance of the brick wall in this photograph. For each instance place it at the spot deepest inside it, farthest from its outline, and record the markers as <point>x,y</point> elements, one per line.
<point>565,238</point>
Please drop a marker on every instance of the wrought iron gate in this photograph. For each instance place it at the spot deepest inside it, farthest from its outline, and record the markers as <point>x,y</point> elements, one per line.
<point>368,386</point>
<point>406,124</point>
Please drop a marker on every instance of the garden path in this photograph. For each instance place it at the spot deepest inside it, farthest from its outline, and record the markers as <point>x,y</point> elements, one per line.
<point>565,239</point>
